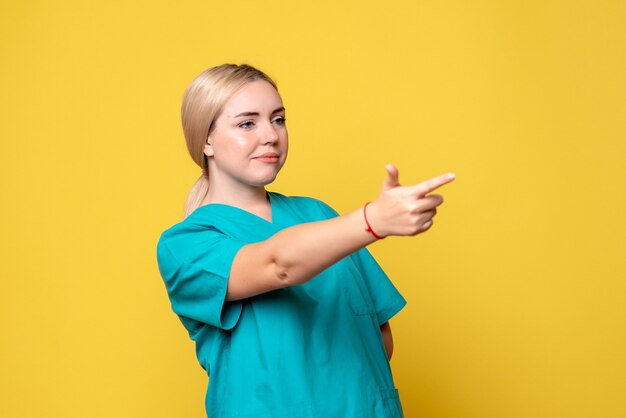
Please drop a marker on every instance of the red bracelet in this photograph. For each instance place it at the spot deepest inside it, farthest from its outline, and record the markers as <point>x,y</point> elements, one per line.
<point>369,228</point>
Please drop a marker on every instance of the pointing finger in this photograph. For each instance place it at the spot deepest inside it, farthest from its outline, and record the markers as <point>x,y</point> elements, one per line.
<point>425,187</point>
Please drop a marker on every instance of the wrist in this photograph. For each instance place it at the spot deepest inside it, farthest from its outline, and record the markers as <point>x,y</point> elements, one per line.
<point>368,225</point>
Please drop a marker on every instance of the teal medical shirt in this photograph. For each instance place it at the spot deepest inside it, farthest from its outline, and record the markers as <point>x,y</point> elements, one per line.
<point>313,350</point>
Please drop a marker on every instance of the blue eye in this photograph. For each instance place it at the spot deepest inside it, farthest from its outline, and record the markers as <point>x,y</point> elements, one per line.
<point>246,125</point>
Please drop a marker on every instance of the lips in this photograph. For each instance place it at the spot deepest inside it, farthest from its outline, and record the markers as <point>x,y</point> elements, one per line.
<point>268,157</point>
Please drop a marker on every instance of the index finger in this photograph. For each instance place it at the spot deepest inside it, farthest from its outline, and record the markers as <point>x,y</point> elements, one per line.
<point>425,187</point>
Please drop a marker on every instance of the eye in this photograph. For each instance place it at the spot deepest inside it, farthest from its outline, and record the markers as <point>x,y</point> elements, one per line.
<point>246,125</point>
<point>280,120</point>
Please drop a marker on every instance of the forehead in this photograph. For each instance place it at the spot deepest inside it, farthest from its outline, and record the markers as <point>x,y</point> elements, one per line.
<point>257,96</point>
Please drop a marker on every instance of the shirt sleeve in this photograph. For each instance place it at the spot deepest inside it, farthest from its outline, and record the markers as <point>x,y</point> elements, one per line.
<point>386,298</point>
<point>195,268</point>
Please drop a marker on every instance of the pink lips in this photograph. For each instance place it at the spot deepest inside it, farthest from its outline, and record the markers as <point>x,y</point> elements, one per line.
<point>268,157</point>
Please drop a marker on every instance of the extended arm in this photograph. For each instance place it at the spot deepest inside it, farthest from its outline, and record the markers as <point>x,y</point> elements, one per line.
<point>297,254</point>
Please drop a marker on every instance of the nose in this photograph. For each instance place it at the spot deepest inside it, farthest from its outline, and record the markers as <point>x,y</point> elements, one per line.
<point>269,134</point>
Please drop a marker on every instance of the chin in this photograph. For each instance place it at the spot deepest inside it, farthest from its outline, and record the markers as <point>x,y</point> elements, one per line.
<point>268,181</point>
<point>262,182</point>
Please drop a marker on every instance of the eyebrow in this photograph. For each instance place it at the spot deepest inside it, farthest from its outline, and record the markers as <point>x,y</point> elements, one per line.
<point>280,109</point>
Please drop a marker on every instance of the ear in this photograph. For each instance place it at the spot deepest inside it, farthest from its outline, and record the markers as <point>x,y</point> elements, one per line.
<point>208,148</point>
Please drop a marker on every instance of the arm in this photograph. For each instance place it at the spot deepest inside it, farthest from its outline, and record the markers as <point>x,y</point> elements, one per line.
<point>385,329</point>
<point>297,254</point>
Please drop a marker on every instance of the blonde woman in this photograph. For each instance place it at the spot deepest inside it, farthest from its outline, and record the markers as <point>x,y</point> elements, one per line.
<point>289,312</point>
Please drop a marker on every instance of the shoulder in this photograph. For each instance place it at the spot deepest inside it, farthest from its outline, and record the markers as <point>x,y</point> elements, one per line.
<point>208,218</point>
<point>185,238</point>
<point>177,231</point>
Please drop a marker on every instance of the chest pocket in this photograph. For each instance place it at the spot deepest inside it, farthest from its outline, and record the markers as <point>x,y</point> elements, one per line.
<point>354,289</point>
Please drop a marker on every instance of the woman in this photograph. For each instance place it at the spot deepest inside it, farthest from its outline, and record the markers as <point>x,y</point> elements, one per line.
<point>288,310</point>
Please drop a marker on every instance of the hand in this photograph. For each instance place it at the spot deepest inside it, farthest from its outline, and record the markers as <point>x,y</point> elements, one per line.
<point>405,210</point>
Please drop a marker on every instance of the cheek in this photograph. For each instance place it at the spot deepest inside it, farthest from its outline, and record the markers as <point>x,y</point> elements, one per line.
<point>235,147</point>
<point>285,141</point>
<point>242,144</point>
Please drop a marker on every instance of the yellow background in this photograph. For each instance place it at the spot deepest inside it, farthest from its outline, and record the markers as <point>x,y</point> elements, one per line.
<point>516,296</point>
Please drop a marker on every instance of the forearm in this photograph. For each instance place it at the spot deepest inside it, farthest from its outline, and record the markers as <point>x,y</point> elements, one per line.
<point>301,252</point>
<point>297,254</point>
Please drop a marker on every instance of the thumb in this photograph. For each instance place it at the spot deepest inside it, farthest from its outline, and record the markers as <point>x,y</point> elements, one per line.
<point>392,177</point>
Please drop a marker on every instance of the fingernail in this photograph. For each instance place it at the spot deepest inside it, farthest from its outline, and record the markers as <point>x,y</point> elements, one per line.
<point>450,175</point>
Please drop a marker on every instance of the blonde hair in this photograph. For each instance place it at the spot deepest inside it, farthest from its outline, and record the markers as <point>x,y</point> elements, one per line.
<point>203,102</point>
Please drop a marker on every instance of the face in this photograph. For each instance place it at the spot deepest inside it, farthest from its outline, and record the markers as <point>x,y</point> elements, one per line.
<point>248,145</point>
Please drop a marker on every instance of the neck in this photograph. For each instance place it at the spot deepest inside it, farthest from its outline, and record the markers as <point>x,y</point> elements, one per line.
<point>251,199</point>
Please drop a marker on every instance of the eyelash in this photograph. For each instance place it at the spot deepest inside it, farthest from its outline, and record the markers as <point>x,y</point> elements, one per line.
<point>248,123</point>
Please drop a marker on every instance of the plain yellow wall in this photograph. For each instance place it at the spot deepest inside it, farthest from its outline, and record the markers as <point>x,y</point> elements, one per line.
<point>516,297</point>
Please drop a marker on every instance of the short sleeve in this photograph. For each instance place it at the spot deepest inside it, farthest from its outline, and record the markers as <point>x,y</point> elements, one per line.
<point>195,268</point>
<point>386,298</point>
